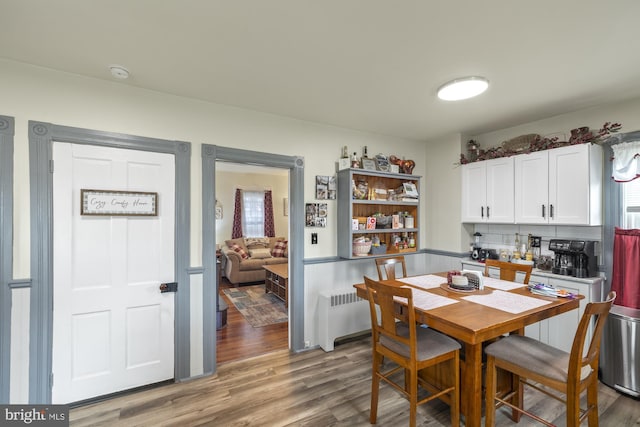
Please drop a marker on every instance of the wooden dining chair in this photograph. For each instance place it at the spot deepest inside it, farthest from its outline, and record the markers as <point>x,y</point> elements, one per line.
<point>537,364</point>
<point>508,270</point>
<point>387,267</point>
<point>405,346</point>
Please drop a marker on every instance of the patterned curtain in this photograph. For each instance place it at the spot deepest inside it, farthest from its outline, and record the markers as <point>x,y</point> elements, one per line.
<point>236,230</point>
<point>269,226</point>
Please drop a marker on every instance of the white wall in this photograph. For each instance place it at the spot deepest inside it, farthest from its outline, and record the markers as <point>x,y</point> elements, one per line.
<point>625,113</point>
<point>443,181</point>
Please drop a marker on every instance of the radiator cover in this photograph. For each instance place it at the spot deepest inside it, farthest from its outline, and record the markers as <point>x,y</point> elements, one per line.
<point>340,313</point>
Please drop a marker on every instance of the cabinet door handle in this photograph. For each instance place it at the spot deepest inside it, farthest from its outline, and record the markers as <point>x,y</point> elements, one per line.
<point>550,211</point>
<point>482,211</point>
<point>487,212</point>
<point>543,211</point>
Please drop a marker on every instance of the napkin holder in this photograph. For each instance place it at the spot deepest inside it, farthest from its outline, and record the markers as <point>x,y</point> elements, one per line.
<point>475,278</point>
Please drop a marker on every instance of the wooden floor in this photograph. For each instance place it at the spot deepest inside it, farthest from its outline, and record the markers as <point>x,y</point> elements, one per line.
<point>311,388</point>
<point>239,340</point>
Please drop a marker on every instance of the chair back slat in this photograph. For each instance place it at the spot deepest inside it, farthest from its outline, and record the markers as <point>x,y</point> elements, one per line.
<point>387,267</point>
<point>508,270</point>
<point>384,296</point>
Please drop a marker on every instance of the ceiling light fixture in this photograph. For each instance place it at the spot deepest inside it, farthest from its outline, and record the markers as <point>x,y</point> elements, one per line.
<point>463,88</point>
<point>119,72</point>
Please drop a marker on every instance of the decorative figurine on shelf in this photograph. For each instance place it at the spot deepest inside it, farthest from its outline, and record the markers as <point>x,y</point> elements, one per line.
<point>406,166</point>
<point>472,150</point>
<point>355,163</point>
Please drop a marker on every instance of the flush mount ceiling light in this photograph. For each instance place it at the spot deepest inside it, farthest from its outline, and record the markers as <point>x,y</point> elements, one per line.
<point>463,88</point>
<point>119,72</point>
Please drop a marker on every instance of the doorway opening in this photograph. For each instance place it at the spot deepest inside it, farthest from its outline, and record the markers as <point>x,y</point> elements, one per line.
<point>237,338</point>
<point>212,154</point>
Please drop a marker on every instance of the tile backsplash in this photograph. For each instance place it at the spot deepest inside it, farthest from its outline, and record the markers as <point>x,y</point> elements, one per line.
<point>499,236</point>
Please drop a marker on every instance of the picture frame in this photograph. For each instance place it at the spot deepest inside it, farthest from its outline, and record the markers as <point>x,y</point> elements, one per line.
<point>382,163</point>
<point>326,187</point>
<point>316,215</point>
<point>369,164</point>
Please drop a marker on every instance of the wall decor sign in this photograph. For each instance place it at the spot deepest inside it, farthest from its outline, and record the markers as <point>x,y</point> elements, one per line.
<point>126,203</point>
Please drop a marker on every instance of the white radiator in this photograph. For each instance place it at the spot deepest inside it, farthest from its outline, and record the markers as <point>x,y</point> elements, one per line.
<point>340,313</point>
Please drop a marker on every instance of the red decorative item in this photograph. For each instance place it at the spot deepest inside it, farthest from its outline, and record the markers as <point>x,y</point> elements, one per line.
<point>406,166</point>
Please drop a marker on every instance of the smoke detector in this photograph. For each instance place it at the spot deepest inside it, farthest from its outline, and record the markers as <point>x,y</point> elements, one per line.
<point>119,72</point>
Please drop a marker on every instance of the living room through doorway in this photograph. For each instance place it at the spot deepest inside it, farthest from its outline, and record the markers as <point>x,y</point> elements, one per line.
<point>238,339</point>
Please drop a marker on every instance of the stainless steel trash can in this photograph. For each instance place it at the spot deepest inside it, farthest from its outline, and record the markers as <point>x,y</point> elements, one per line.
<point>620,351</point>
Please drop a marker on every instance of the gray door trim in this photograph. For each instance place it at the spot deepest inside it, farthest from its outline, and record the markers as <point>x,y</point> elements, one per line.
<point>41,138</point>
<point>7,131</point>
<point>211,154</point>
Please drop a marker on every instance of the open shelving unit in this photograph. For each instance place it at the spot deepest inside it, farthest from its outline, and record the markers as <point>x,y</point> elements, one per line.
<point>376,201</point>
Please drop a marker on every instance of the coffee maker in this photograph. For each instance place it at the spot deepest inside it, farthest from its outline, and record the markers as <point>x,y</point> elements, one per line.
<point>575,258</point>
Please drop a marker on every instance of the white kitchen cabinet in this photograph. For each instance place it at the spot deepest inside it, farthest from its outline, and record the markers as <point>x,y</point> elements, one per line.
<point>561,186</point>
<point>559,330</point>
<point>487,191</point>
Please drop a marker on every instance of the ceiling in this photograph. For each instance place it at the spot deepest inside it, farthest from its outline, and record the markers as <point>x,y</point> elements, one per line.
<point>371,65</point>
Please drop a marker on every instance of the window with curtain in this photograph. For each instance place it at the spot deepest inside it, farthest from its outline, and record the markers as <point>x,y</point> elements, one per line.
<point>631,204</point>
<point>253,213</point>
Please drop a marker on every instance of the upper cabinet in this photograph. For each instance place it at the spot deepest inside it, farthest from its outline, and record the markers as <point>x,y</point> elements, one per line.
<point>562,186</point>
<point>487,191</point>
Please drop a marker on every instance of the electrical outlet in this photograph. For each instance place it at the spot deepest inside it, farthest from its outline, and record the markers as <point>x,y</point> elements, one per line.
<point>307,344</point>
<point>314,238</point>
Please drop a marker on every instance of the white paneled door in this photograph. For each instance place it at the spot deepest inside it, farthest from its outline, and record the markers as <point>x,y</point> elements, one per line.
<point>112,327</point>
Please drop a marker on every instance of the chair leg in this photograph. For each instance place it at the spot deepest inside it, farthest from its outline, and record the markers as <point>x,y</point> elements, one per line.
<point>592,403</point>
<point>375,387</point>
<point>518,399</point>
<point>455,393</point>
<point>413,396</point>
<point>490,392</point>
<point>573,408</point>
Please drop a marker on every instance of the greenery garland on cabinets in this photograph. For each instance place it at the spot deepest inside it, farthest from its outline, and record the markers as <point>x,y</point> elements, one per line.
<point>534,142</point>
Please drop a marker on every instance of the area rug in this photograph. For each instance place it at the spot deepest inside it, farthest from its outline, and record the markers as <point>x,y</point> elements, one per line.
<point>258,308</point>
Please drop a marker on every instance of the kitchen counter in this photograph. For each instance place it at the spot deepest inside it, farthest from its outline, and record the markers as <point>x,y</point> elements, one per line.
<point>557,331</point>
<point>543,273</point>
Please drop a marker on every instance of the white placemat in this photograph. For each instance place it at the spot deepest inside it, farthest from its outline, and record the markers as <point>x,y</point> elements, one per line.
<point>503,285</point>
<point>428,301</point>
<point>506,301</point>
<point>427,281</point>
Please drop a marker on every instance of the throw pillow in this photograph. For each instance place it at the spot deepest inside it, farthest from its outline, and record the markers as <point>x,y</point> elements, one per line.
<point>239,242</point>
<point>239,251</point>
<point>260,253</point>
<point>280,249</point>
<point>256,242</point>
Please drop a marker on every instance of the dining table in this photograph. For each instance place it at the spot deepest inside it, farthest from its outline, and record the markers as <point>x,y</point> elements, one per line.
<point>474,318</point>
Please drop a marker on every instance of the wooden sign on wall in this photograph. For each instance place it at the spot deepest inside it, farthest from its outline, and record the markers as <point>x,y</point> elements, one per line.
<point>125,203</point>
